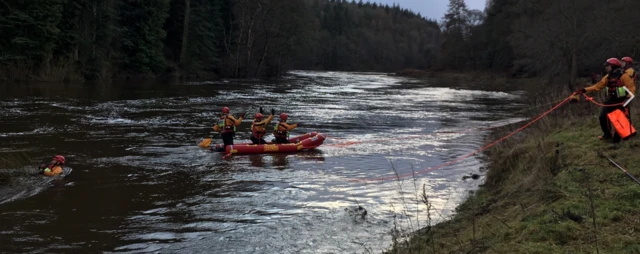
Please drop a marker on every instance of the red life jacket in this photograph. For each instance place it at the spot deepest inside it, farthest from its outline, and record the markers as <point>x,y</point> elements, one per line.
<point>258,129</point>
<point>615,88</point>
<point>226,127</point>
<point>280,131</point>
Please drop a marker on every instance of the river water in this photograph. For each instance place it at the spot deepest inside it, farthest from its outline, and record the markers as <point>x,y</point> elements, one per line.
<point>140,183</point>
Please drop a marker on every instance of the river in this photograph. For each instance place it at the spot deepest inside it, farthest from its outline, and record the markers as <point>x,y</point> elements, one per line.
<point>140,183</point>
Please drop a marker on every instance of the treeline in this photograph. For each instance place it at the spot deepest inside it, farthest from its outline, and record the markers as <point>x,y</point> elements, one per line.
<point>104,39</point>
<point>548,38</point>
<point>368,37</point>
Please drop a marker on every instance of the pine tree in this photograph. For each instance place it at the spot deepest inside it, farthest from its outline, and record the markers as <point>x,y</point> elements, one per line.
<point>70,30</point>
<point>202,50</point>
<point>454,46</point>
<point>231,37</point>
<point>102,33</point>
<point>143,35</point>
<point>29,30</point>
<point>175,31</point>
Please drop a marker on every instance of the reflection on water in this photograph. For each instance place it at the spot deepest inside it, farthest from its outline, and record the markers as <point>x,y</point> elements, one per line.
<point>141,184</point>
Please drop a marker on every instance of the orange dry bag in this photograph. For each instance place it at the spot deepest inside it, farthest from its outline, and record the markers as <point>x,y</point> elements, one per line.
<point>621,123</point>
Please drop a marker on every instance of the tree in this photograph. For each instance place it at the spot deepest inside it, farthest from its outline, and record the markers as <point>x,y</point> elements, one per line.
<point>185,31</point>
<point>102,39</point>
<point>454,26</point>
<point>29,30</point>
<point>143,34</point>
<point>496,30</point>
<point>562,33</point>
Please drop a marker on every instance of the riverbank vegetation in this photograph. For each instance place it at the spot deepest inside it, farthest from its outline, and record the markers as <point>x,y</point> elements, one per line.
<point>548,189</point>
<point>552,39</point>
<point>90,39</point>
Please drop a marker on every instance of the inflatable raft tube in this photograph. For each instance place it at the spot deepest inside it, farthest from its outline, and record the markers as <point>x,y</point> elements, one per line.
<point>293,140</point>
<point>303,145</point>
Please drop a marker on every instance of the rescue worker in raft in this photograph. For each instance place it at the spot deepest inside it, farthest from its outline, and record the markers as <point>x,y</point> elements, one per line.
<point>227,126</point>
<point>54,168</point>
<point>614,82</point>
<point>282,129</point>
<point>258,125</point>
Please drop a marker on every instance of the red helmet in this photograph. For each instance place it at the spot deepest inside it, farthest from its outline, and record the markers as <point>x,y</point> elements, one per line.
<point>627,59</point>
<point>59,158</point>
<point>225,110</point>
<point>614,62</point>
<point>258,116</point>
<point>283,116</point>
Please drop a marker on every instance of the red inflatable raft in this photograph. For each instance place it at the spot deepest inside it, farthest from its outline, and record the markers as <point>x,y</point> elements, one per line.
<point>293,140</point>
<point>309,143</point>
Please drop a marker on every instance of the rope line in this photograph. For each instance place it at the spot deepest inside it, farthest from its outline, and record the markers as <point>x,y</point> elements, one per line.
<point>469,154</point>
<point>590,99</point>
<point>344,142</point>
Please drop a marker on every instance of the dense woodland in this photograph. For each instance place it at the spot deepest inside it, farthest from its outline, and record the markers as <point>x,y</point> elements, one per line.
<point>551,38</point>
<point>105,39</point>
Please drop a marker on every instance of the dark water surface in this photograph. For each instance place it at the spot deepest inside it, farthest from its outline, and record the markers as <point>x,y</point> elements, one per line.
<point>141,184</point>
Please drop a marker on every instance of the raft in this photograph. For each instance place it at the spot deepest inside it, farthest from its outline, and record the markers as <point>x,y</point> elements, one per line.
<point>293,140</point>
<point>309,143</point>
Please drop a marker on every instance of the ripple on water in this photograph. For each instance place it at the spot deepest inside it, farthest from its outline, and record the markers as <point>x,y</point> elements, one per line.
<point>162,193</point>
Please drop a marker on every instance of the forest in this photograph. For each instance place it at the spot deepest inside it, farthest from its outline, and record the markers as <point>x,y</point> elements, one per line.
<point>106,39</point>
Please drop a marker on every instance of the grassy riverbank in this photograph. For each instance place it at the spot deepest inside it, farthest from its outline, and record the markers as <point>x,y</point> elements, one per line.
<point>547,190</point>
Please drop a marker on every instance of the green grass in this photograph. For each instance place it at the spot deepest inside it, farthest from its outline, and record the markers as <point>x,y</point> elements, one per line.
<point>544,191</point>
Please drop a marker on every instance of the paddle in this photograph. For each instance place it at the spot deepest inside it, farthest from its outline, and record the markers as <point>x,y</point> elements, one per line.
<point>207,141</point>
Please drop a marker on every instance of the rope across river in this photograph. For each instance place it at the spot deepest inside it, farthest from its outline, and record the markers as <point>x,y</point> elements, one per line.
<point>463,157</point>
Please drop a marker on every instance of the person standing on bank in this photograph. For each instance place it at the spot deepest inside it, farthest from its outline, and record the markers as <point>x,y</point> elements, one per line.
<point>615,81</point>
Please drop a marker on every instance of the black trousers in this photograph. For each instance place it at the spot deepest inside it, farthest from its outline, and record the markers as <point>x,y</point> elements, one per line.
<point>605,125</point>
<point>227,139</point>
<point>257,141</point>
